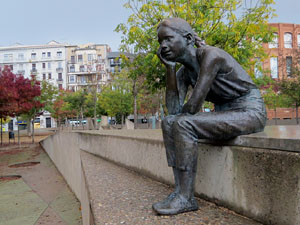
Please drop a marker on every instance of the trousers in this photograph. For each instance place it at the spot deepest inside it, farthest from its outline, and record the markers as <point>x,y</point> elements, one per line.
<point>244,115</point>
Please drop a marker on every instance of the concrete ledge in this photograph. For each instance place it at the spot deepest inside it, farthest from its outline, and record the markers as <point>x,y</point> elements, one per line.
<point>256,175</point>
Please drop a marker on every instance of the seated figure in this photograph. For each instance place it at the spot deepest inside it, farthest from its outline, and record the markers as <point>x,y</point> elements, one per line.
<point>215,76</point>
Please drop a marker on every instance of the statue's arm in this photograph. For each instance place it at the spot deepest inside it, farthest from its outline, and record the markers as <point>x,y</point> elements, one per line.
<point>210,65</point>
<point>175,90</point>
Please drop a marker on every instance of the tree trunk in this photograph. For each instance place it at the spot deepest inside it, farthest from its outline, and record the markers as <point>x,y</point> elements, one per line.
<point>18,130</point>
<point>32,135</point>
<point>135,116</point>
<point>1,128</point>
<point>275,116</point>
<point>297,118</point>
<point>29,128</point>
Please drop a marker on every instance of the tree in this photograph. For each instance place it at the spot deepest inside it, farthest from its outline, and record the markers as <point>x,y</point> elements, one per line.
<point>43,102</point>
<point>26,101</point>
<point>291,88</point>
<point>62,109</point>
<point>215,21</point>
<point>116,97</point>
<point>8,94</point>
<point>76,101</point>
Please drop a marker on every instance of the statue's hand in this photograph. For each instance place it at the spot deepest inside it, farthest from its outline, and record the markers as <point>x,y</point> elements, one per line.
<point>189,108</point>
<point>165,61</point>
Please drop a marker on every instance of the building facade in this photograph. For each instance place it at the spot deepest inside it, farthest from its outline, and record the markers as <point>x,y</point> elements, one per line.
<point>87,66</point>
<point>283,51</point>
<point>46,62</point>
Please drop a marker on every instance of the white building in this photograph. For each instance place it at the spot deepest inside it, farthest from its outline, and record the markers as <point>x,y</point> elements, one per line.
<point>46,62</point>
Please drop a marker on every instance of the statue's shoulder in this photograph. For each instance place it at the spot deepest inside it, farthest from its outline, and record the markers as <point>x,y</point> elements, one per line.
<point>211,51</point>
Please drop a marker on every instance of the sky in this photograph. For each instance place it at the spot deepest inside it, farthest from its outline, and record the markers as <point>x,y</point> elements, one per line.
<point>31,22</point>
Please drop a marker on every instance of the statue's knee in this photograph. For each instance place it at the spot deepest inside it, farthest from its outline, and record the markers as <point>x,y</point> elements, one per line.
<point>167,122</point>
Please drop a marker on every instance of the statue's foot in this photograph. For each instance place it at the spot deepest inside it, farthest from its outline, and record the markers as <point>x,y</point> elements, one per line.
<point>164,203</point>
<point>178,204</point>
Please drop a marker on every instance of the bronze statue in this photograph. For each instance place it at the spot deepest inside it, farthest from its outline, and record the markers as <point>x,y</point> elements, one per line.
<point>215,76</point>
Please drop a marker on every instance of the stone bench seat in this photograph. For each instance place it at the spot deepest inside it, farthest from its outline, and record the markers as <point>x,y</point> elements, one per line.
<point>255,175</point>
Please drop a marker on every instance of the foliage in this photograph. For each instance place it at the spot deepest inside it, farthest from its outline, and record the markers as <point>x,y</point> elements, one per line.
<point>90,104</point>
<point>215,21</point>
<point>291,87</point>
<point>8,92</point>
<point>62,109</point>
<point>116,97</point>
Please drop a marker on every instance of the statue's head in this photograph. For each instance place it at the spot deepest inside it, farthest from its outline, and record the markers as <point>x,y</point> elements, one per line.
<point>175,36</point>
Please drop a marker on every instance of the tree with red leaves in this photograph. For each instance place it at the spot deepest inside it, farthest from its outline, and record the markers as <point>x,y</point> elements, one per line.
<point>18,95</point>
<point>8,94</point>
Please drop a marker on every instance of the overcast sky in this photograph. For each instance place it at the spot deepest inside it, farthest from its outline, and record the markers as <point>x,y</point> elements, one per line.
<point>83,21</point>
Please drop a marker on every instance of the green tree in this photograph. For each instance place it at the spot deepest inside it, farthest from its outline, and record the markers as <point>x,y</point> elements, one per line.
<point>291,88</point>
<point>77,101</point>
<point>215,21</point>
<point>116,97</point>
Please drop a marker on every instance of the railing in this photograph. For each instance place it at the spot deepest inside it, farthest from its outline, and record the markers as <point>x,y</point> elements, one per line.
<point>59,70</point>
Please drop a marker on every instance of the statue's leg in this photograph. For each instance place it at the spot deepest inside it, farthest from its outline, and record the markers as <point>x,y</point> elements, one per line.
<point>168,136</point>
<point>186,165</point>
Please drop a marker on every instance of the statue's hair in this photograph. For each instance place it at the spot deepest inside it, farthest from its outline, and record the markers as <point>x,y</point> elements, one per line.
<point>182,27</point>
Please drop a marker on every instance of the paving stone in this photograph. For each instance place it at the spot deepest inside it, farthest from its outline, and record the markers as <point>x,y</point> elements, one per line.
<point>120,196</point>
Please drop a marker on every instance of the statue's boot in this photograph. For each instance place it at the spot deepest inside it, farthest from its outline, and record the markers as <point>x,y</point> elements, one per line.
<point>165,202</point>
<point>184,201</point>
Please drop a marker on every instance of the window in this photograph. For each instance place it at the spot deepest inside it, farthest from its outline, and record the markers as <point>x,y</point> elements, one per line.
<point>48,54</point>
<point>20,66</point>
<point>59,65</point>
<point>44,65</point>
<point>8,57</point>
<point>83,81</point>
<point>90,57</point>
<point>288,40</point>
<point>72,79</point>
<point>60,87</point>
<point>49,76</point>
<point>33,66</point>
<point>60,76</point>
<point>99,58</point>
<point>11,67</point>
<point>258,68</point>
<point>112,61</point>
<point>289,60</point>
<point>81,69</point>
<point>298,40</point>
<point>113,69</point>
<point>43,54</point>
<point>274,42</point>
<point>274,67</point>
<point>79,58</point>
<point>44,76</point>
<point>59,54</point>
<point>49,65</point>
<point>33,55</point>
<point>72,68</point>
<point>21,56</point>
<point>72,59</point>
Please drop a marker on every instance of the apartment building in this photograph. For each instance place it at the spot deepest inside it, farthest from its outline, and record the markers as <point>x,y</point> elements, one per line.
<point>46,62</point>
<point>87,66</point>
<point>283,51</point>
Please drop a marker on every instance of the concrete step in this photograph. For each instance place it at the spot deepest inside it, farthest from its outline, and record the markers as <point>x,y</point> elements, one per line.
<point>120,196</point>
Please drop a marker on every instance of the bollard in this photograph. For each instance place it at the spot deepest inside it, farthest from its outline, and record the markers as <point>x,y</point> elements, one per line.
<point>153,122</point>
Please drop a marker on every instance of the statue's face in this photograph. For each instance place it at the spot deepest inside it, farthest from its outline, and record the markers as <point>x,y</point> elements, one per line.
<point>172,43</point>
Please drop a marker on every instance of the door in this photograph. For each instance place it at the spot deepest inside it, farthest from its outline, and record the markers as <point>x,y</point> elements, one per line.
<point>48,122</point>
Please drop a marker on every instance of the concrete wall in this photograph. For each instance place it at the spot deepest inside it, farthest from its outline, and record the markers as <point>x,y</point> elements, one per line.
<point>261,183</point>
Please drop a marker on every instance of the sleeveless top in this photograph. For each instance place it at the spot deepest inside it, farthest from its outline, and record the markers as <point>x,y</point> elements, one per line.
<point>230,82</point>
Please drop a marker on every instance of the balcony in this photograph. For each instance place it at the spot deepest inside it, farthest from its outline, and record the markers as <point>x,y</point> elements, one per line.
<point>59,70</point>
<point>21,72</point>
<point>59,80</point>
<point>33,71</point>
